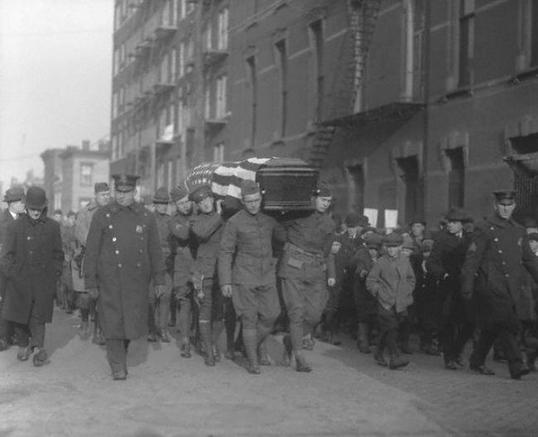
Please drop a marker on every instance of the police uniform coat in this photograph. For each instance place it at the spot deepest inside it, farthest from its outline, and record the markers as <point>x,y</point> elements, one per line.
<point>494,269</point>
<point>5,220</point>
<point>32,260</point>
<point>123,255</point>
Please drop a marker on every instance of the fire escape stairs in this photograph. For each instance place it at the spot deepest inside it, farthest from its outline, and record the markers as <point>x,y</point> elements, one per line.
<point>346,84</point>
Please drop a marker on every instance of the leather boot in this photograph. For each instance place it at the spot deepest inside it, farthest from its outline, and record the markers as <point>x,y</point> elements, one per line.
<point>301,364</point>
<point>250,340</point>
<point>217,328</point>
<point>362,342</point>
<point>205,334</point>
<point>152,336</point>
<point>186,348</point>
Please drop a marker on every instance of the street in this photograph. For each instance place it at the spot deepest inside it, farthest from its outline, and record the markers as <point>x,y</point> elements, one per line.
<point>347,394</point>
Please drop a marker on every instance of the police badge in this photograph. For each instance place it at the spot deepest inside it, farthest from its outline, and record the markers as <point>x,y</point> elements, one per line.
<point>139,229</point>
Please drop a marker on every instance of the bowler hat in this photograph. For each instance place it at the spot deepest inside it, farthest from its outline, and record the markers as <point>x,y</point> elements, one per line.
<point>101,187</point>
<point>13,194</point>
<point>161,196</point>
<point>505,197</point>
<point>393,239</point>
<point>457,215</point>
<point>124,182</point>
<point>354,219</point>
<point>249,187</point>
<point>200,193</point>
<point>36,198</point>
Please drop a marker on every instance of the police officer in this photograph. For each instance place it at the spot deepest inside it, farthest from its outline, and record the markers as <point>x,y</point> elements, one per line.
<point>493,272</point>
<point>246,244</point>
<point>159,307</point>
<point>207,229</point>
<point>184,249</point>
<point>123,255</point>
<point>445,264</point>
<point>14,197</point>
<point>32,261</point>
<point>303,269</point>
<point>84,301</point>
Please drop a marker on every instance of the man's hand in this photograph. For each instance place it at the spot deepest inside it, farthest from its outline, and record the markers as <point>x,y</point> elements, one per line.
<point>159,290</point>
<point>218,206</point>
<point>226,290</point>
<point>335,247</point>
<point>331,282</point>
<point>93,292</point>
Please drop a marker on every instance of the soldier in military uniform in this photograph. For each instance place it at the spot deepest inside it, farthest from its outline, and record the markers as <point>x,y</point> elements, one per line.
<point>84,301</point>
<point>493,272</point>
<point>303,269</point>
<point>159,307</point>
<point>183,247</point>
<point>32,261</point>
<point>444,264</point>
<point>123,255</point>
<point>247,270</point>
<point>207,229</point>
<point>14,197</point>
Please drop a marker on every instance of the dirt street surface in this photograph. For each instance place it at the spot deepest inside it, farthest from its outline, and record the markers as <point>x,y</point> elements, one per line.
<point>166,395</point>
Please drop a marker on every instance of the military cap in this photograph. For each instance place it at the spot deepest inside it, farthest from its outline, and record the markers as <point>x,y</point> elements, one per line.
<point>249,187</point>
<point>374,241</point>
<point>200,193</point>
<point>354,219</point>
<point>505,197</point>
<point>124,182</point>
<point>533,236</point>
<point>393,239</point>
<point>161,196</point>
<point>101,187</point>
<point>36,198</point>
<point>179,192</point>
<point>13,194</point>
<point>457,215</point>
<point>417,219</point>
<point>323,190</point>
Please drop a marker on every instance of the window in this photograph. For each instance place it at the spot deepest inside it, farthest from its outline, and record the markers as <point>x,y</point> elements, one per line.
<point>316,38</point>
<point>218,153</point>
<point>207,100</point>
<point>207,36</point>
<point>173,65</point>
<point>282,62</point>
<point>466,42</point>
<point>356,188</point>
<point>86,175</point>
<point>410,176</point>
<point>223,29</point>
<point>179,171</point>
<point>170,174</point>
<point>190,6</point>
<point>534,33</point>
<point>160,174</point>
<point>179,118</point>
<point>181,60</point>
<point>115,147</point>
<point>117,16</point>
<point>253,79</point>
<point>456,177</point>
<point>221,97</point>
<point>182,9</point>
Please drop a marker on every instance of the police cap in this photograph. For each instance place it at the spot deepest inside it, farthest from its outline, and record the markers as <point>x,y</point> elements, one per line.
<point>505,197</point>
<point>125,182</point>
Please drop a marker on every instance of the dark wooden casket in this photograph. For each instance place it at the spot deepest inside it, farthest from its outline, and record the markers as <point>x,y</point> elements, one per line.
<point>287,183</point>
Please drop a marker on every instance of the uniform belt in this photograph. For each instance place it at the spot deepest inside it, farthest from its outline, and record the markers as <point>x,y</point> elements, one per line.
<point>303,255</point>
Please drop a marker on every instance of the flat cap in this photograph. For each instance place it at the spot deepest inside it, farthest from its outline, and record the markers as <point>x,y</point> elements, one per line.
<point>14,193</point>
<point>200,193</point>
<point>393,239</point>
<point>374,241</point>
<point>125,182</point>
<point>101,187</point>
<point>161,196</point>
<point>249,187</point>
<point>505,197</point>
<point>457,215</point>
<point>179,192</point>
<point>354,219</point>
<point>323,190</point>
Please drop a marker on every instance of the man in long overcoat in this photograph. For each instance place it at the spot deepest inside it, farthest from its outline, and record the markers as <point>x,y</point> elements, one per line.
<point>123,255</point>
<point>14,198</point>
<point>32,260</point>
<point>493,271</point>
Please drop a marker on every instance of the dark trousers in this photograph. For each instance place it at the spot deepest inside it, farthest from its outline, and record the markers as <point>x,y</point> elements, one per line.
<point>457,326</point>
<point>507,341</point>
<point>32,333</point>
<point>6,327</point>
<point>388,323</point>
<point>116,353</point>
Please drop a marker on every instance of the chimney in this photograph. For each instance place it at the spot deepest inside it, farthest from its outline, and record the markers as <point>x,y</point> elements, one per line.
<point>86,145</point>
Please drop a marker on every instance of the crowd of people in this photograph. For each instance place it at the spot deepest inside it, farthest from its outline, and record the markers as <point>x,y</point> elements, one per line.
<point>224,266</point>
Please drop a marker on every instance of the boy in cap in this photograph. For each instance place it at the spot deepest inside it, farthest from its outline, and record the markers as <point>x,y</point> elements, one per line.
<point>14,197</point>
<point>123,256</point>
<point>247,270</point>
<point>84,302</point>
<point>32,259</point>
<point>182,245</point>
<point>492,272</point>
<point>159,306</point>
<point>391,281</point>
<point>207,229</point>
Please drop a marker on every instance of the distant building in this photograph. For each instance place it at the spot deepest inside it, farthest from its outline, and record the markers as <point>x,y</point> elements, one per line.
<point>79,168</point>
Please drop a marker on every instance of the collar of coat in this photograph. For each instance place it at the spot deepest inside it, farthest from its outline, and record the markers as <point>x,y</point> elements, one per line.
<point>494,219</point>
<point>136,207</point>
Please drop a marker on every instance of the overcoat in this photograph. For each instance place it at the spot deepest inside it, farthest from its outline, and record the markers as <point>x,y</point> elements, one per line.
<point>183,246</point>
<point>32,260</point>
<point>5,220</point>
<point>493,268</point>
<point>207,230</point>
<point>123,255</point>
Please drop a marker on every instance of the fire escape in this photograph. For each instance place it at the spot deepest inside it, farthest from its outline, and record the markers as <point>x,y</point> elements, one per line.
<point>348,80</point>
